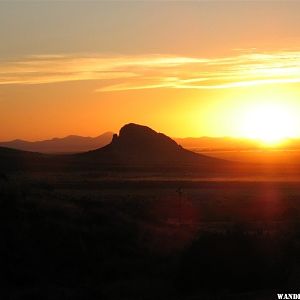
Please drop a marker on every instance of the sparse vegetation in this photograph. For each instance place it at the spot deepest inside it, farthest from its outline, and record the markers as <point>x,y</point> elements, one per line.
<point>137,241</point>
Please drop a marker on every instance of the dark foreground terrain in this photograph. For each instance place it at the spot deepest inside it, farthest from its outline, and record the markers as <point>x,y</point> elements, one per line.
<point>85,236</point>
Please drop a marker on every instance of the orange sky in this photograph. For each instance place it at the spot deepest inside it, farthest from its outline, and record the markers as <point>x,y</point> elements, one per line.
<point>183,68</point>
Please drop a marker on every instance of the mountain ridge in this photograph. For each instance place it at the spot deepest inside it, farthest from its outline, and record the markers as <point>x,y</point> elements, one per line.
<point>68,144</point>
<point>77,143</point>
<point>135,145</point>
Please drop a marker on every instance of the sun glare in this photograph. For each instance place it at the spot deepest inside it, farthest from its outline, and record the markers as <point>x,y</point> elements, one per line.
<point>270,123</point>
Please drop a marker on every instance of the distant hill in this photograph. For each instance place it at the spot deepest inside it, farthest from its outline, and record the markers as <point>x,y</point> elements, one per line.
<point>137,144</point>
<point>11,159</point>
<point>69,144</point>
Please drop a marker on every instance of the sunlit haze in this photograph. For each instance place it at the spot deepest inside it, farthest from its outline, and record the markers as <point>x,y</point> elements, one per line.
<point>270,123</point>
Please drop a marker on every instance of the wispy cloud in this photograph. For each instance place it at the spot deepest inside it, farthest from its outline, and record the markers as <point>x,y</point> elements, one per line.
<point>118,73</point>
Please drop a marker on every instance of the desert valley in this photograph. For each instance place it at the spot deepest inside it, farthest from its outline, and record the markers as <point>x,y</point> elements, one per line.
<point>143,218</point>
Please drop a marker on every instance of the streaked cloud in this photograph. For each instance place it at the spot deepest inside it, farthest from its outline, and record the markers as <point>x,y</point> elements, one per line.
<point>118,73</point>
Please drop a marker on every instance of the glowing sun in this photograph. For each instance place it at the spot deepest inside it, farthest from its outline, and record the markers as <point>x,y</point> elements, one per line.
<point>270,123</point>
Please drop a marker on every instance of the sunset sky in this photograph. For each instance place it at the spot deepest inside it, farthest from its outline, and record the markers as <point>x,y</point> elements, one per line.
<point>185,68</point>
